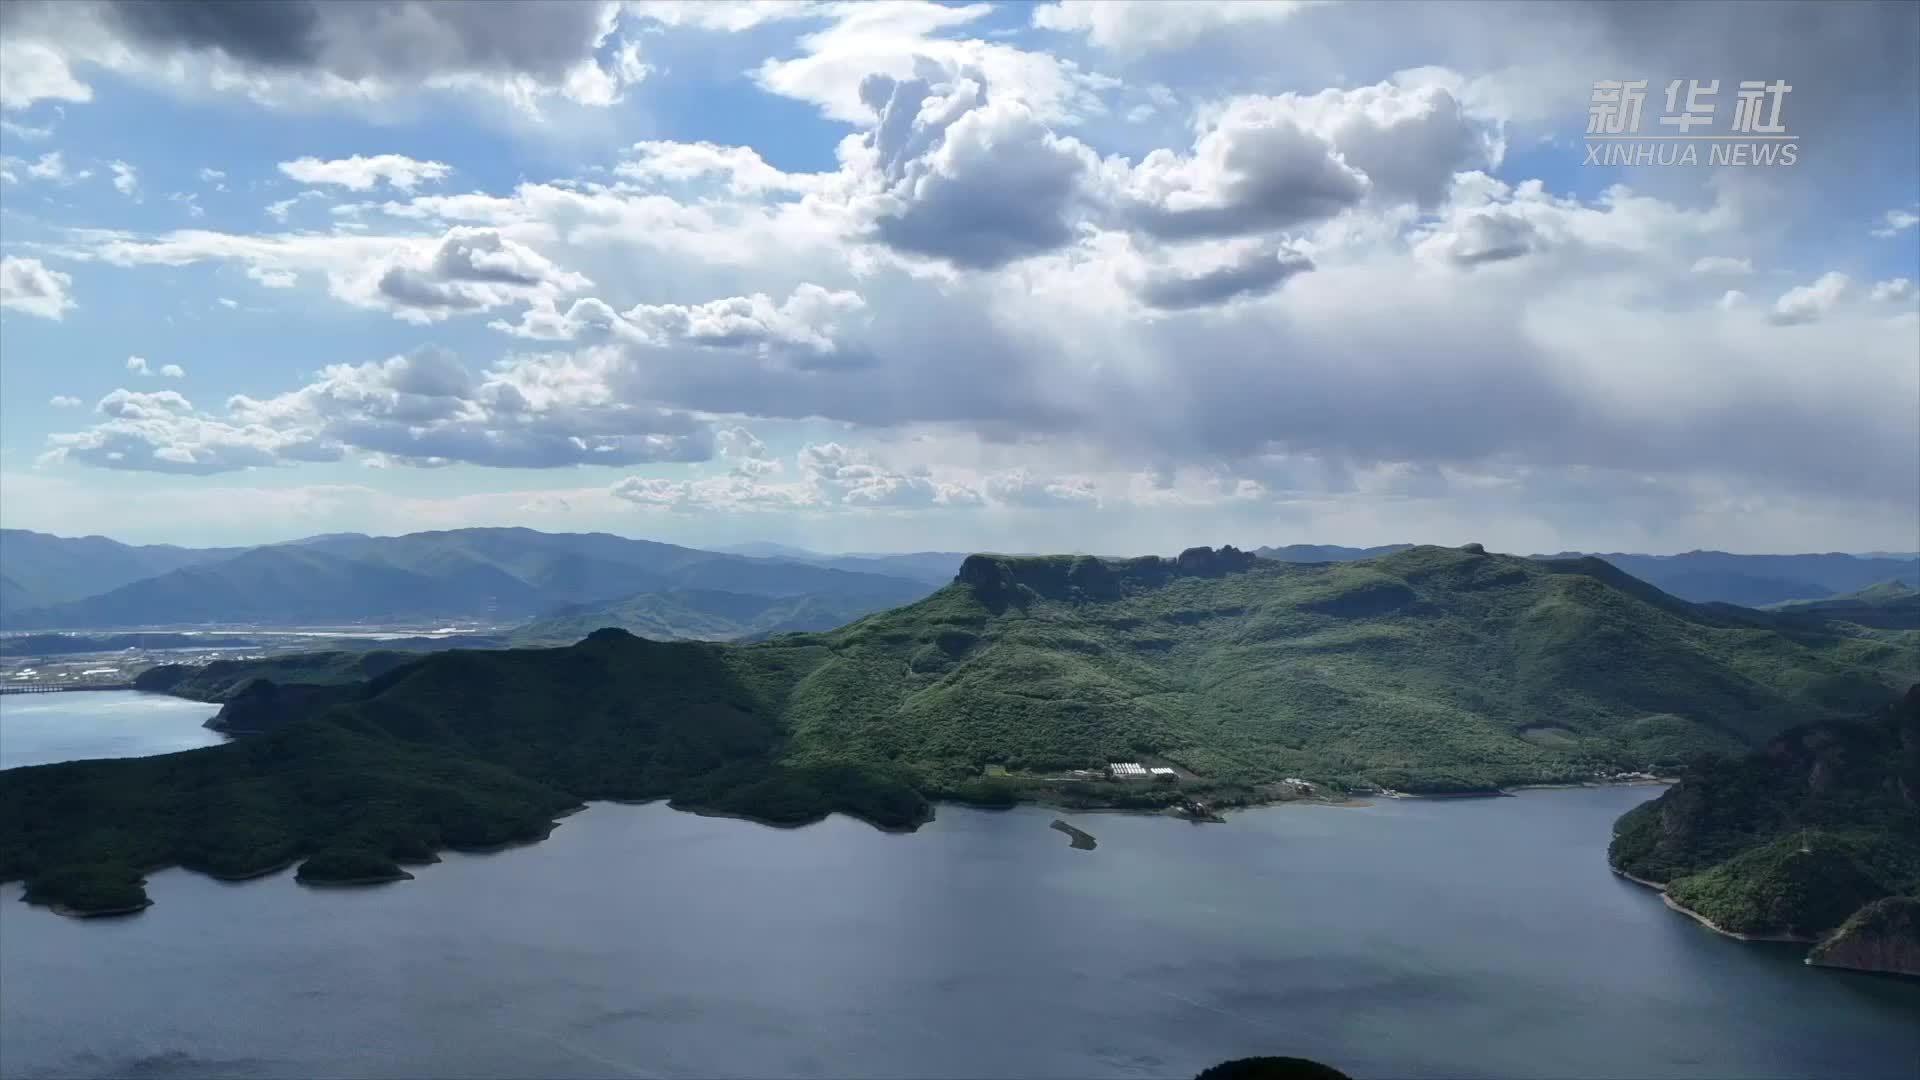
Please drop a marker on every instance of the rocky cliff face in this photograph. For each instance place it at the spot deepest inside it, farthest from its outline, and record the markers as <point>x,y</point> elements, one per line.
<point>1883,936</point>
<point>1002,579</point>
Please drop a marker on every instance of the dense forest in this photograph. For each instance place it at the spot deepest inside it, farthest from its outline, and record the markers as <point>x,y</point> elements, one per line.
<point>1795,838</point>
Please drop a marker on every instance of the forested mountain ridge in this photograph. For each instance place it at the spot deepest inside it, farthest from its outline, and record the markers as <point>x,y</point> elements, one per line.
<point>1427,669</point>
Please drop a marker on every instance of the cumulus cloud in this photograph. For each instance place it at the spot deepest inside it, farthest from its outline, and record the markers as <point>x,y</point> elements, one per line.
<point>1808,303</point>
<point>27,285</point>
<point>65,401</point>
<point>424,408</point>
<point>309,51</point>
<point>1264,163</point>
<point>948,174</point>
<point>808,321</point>
<point>359,173</point>
<point>909,39</point>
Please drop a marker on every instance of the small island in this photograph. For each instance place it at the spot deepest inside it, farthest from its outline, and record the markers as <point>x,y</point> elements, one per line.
<point>1082,841</point>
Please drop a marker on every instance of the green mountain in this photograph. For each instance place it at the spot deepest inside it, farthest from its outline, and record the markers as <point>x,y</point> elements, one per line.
<point>1793,839</point>
<point>1429,669</point>
<point>496,575</point>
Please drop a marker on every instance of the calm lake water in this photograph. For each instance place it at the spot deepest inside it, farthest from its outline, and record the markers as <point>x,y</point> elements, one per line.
<point>1403,939</point>
<point>37,729</point>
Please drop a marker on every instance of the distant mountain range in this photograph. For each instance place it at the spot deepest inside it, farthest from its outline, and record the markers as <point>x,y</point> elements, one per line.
<point>1702,576</point>
<point>499,576</point>
<point>572,583</point>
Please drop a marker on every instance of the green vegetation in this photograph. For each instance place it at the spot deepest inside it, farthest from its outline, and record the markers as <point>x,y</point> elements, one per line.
<point>1425,670</point>
<point>1795,838</point>
<point>339,865</point>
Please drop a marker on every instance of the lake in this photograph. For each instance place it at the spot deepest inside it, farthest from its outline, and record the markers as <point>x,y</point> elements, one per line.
<point>1402,939</point>
<point>38,729</point>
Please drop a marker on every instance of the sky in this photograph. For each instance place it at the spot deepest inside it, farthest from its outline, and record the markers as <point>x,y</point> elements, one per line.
<point>1069,276</point>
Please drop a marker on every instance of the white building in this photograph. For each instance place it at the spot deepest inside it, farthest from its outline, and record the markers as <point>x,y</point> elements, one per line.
<point>1160,773</point>
<point>1127,770</point>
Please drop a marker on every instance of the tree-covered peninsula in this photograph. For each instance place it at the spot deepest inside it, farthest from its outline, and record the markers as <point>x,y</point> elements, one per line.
<point>1429,669</point>
<point>1817,831</point>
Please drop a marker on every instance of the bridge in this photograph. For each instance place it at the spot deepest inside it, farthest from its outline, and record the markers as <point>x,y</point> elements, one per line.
<point>55,688</point>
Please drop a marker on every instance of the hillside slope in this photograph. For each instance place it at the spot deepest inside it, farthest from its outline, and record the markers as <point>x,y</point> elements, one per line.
<point>1429,669</point>
<point>1795,838</point>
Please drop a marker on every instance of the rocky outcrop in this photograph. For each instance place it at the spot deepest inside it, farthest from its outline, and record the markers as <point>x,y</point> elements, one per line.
<point>1883,936</point>
<point>1000,580</point>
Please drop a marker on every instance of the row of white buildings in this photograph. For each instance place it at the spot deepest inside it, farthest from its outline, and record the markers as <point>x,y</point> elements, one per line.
<point>1133,770</point>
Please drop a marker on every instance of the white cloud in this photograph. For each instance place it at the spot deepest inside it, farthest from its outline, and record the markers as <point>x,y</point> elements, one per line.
<point>126,178</point>
<point>742,167</point>
<point>1139,26</point>
<point>359,173</point>
<point>423,409</point>
<point>27,285</point>
<point>420,279</point>
<point>1896,290</point>
<point>215,177</point>
<point>32,71</point>
<point>64,401</point>
<point>902,40</point>
<point>25,131</point>
<point>1809,303</point>
<point>138,365</point>
<point>227,302</point>
<point>52,167</point>
<point>1895,222</point>
<point>808,321</point>
<point>279,210</point>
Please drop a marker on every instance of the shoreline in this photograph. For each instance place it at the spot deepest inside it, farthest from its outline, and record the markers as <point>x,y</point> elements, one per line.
<point>709,812</point>
<point>349,883</point>
<point>1667,899</point>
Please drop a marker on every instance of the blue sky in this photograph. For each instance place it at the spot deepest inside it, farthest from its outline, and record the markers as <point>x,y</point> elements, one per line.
<point>1114,276</point>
